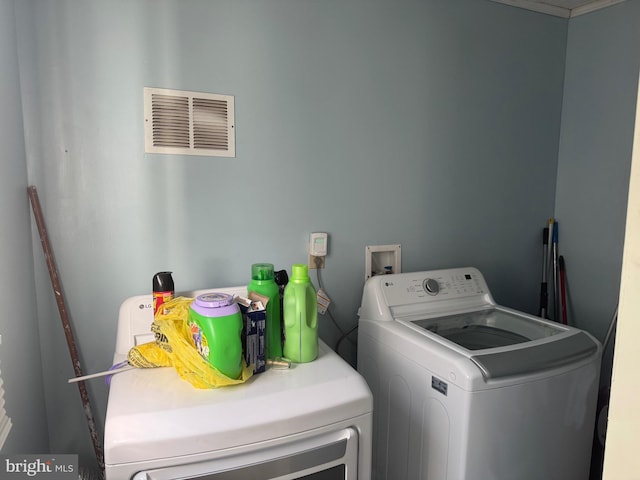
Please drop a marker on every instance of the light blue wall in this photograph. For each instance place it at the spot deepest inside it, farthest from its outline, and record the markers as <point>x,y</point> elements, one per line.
<point>20,360</point>
<point>433,124</point>
<point>603,62</point>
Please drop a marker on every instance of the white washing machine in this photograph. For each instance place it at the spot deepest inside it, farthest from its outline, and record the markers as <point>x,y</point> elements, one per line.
<point>312,421</point>
<point>465,389</point>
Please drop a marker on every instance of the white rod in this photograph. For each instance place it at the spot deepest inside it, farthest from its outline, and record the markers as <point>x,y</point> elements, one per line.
<point>101,374</point>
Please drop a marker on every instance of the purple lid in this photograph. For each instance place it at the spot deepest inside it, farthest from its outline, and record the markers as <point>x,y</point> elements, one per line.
<point>215,304</point>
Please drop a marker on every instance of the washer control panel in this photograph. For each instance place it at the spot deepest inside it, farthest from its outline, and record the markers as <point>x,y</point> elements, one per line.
<point>409,288</point>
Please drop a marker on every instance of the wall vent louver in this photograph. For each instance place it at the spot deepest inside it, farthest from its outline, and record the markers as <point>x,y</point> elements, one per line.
<point>188,123</point>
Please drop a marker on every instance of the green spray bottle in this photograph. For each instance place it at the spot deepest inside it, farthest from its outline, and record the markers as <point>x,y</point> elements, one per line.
<point>300,317</point>
<point>263,283</point>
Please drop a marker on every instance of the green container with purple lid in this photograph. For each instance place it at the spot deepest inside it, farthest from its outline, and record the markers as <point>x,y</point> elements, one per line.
<point>215,324</point>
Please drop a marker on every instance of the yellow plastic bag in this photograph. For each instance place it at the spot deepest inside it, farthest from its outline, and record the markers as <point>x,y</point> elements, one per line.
<point>173,347</point>
<point>149,355</point>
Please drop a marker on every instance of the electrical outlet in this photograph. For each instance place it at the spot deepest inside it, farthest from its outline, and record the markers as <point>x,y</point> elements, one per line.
<point>315,262</point>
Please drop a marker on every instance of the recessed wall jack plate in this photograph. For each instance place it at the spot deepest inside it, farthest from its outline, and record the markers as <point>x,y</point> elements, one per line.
<point>381,260</point>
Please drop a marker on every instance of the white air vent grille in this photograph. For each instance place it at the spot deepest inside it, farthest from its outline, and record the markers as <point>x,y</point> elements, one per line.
<point>189,123</point>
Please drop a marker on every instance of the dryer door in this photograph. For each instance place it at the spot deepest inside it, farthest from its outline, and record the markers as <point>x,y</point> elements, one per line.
<point>332,456</point>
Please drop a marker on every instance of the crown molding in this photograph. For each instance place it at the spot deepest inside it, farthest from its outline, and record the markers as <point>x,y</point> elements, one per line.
<point>596,5</point>
<point>558,11</point>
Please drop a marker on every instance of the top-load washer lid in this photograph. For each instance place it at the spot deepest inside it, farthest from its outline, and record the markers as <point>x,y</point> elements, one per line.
<point>490,328</point>
<point>485,332</point>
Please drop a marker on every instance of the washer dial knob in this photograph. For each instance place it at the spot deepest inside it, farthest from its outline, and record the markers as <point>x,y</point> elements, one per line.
<point>431,286</point>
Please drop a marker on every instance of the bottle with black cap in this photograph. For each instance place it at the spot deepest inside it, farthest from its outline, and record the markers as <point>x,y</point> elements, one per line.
<point>163,289</point>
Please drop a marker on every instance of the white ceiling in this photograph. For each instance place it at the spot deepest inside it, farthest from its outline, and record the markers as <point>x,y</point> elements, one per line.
<point>561,8</point>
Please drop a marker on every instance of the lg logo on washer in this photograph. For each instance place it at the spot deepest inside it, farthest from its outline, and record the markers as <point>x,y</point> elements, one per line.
<point>142,306</point>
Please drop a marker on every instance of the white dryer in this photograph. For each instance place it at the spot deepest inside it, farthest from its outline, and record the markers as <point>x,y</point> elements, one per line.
<point>312,421</point>
<point>465,389</point>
